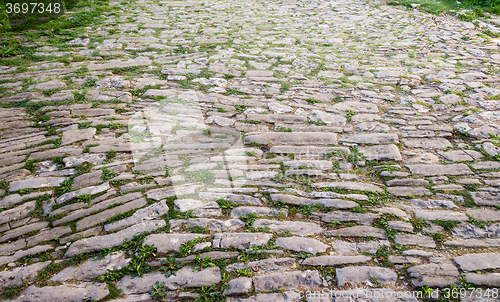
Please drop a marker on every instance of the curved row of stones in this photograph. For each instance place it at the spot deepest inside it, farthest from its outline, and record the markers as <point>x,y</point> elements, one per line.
<point>201,150</point>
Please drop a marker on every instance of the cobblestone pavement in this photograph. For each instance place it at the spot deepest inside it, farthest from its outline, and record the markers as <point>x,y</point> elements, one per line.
<point>245,151</point>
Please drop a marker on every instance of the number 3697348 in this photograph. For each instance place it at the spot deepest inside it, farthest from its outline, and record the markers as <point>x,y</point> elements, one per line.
<point>33,8</point>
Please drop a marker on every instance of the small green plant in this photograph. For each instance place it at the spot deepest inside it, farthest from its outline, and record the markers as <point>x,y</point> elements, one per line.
<point>277,204</point>
<point>383,254</point>
<point>313,101</point>
<point>281,129</point>
<point>188,246</point>
<point>159,291</point>
<point>478,223</point>
<point>249,219</point>
<point>225,205</point>
<point>202,263</point>
<point>349,114</point>
<point>169,266</point>
<point>418,224</point>
<point>448,225</point>
<point>246,272</point>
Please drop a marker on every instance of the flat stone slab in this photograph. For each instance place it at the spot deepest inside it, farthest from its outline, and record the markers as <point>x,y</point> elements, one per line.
<point>348,185</point>
<point>486,198</point>
<point>335,260</point>
<point>261,211</point>
<point>489,280</point>
<point>441,215</point>
<point>72,136</point>
<point>434,143</point>
<point>474,243</point>
<point>295,227</point>
<point>119,64</point>
<point>214,225</point>
<point>326,202</point>
<point>358,107</point>
<point>34,183</point>
<point>434,275</point>
<point>240,241</point>
<point>101,217</point>
<point>183,278</point>
<point>286,280</point>
<point>168,243</point>
<point>359,218</point>
<point>381,152</point>
<point>484,215</point>
<point>362,274</point>
<point>372,138</point>
<point>97,243</point>
<point>435,170</point>
<point>417,240</point>
<point>77,293</point>
<point>21,211</point>
<point>21,274</point>
<point>292,138</point>
<point>406,191</point>
<point>477,262</point>
<point>153,211</point>
<point>357,231</point>
<point>85,191</point>
<point>92,268</point>
<point>299,244</point>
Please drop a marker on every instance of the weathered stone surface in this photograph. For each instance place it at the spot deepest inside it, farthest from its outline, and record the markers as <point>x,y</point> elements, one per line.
<point>349,185</point>
<point>361,274</point>
<point>70,292</point>
<point>366,219</point>
<point>437,143</point>
<point>484,215</point>
<point>434,170</point>
<point>299,244</point>
<point>92,268</point>
<point>486,198</point>
<point>406,191</point>
<point>240,240</point>
<point>441,215</point>
<point>86,180</point>
<point>295,138</point>
<point>372,138</point>
<point>434,275</point>
<point>214,225</point>
<point>153,211</point>
<point>474,243</point>
<point>357,231</point>
<point>18,212</point>
<point>104,215</point>
<point>38,182</point>
<point>295,227</point>
<point>239,286</point>
<point>261,211</point>
<point>335,260</point>
<point>99,242</point>
<point>71,136</point>
<point>476,262</point>
<point>326,202</point>
<point>286,280</point>
<point>85,191</point>
<point>381,152</point>
<point>417,240</point>
<point>22,253</point>
<point>167,243</point>
<point>183,278</point>
<point>489,280</point>
<point>269,265</point>
<point>20,275</point>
